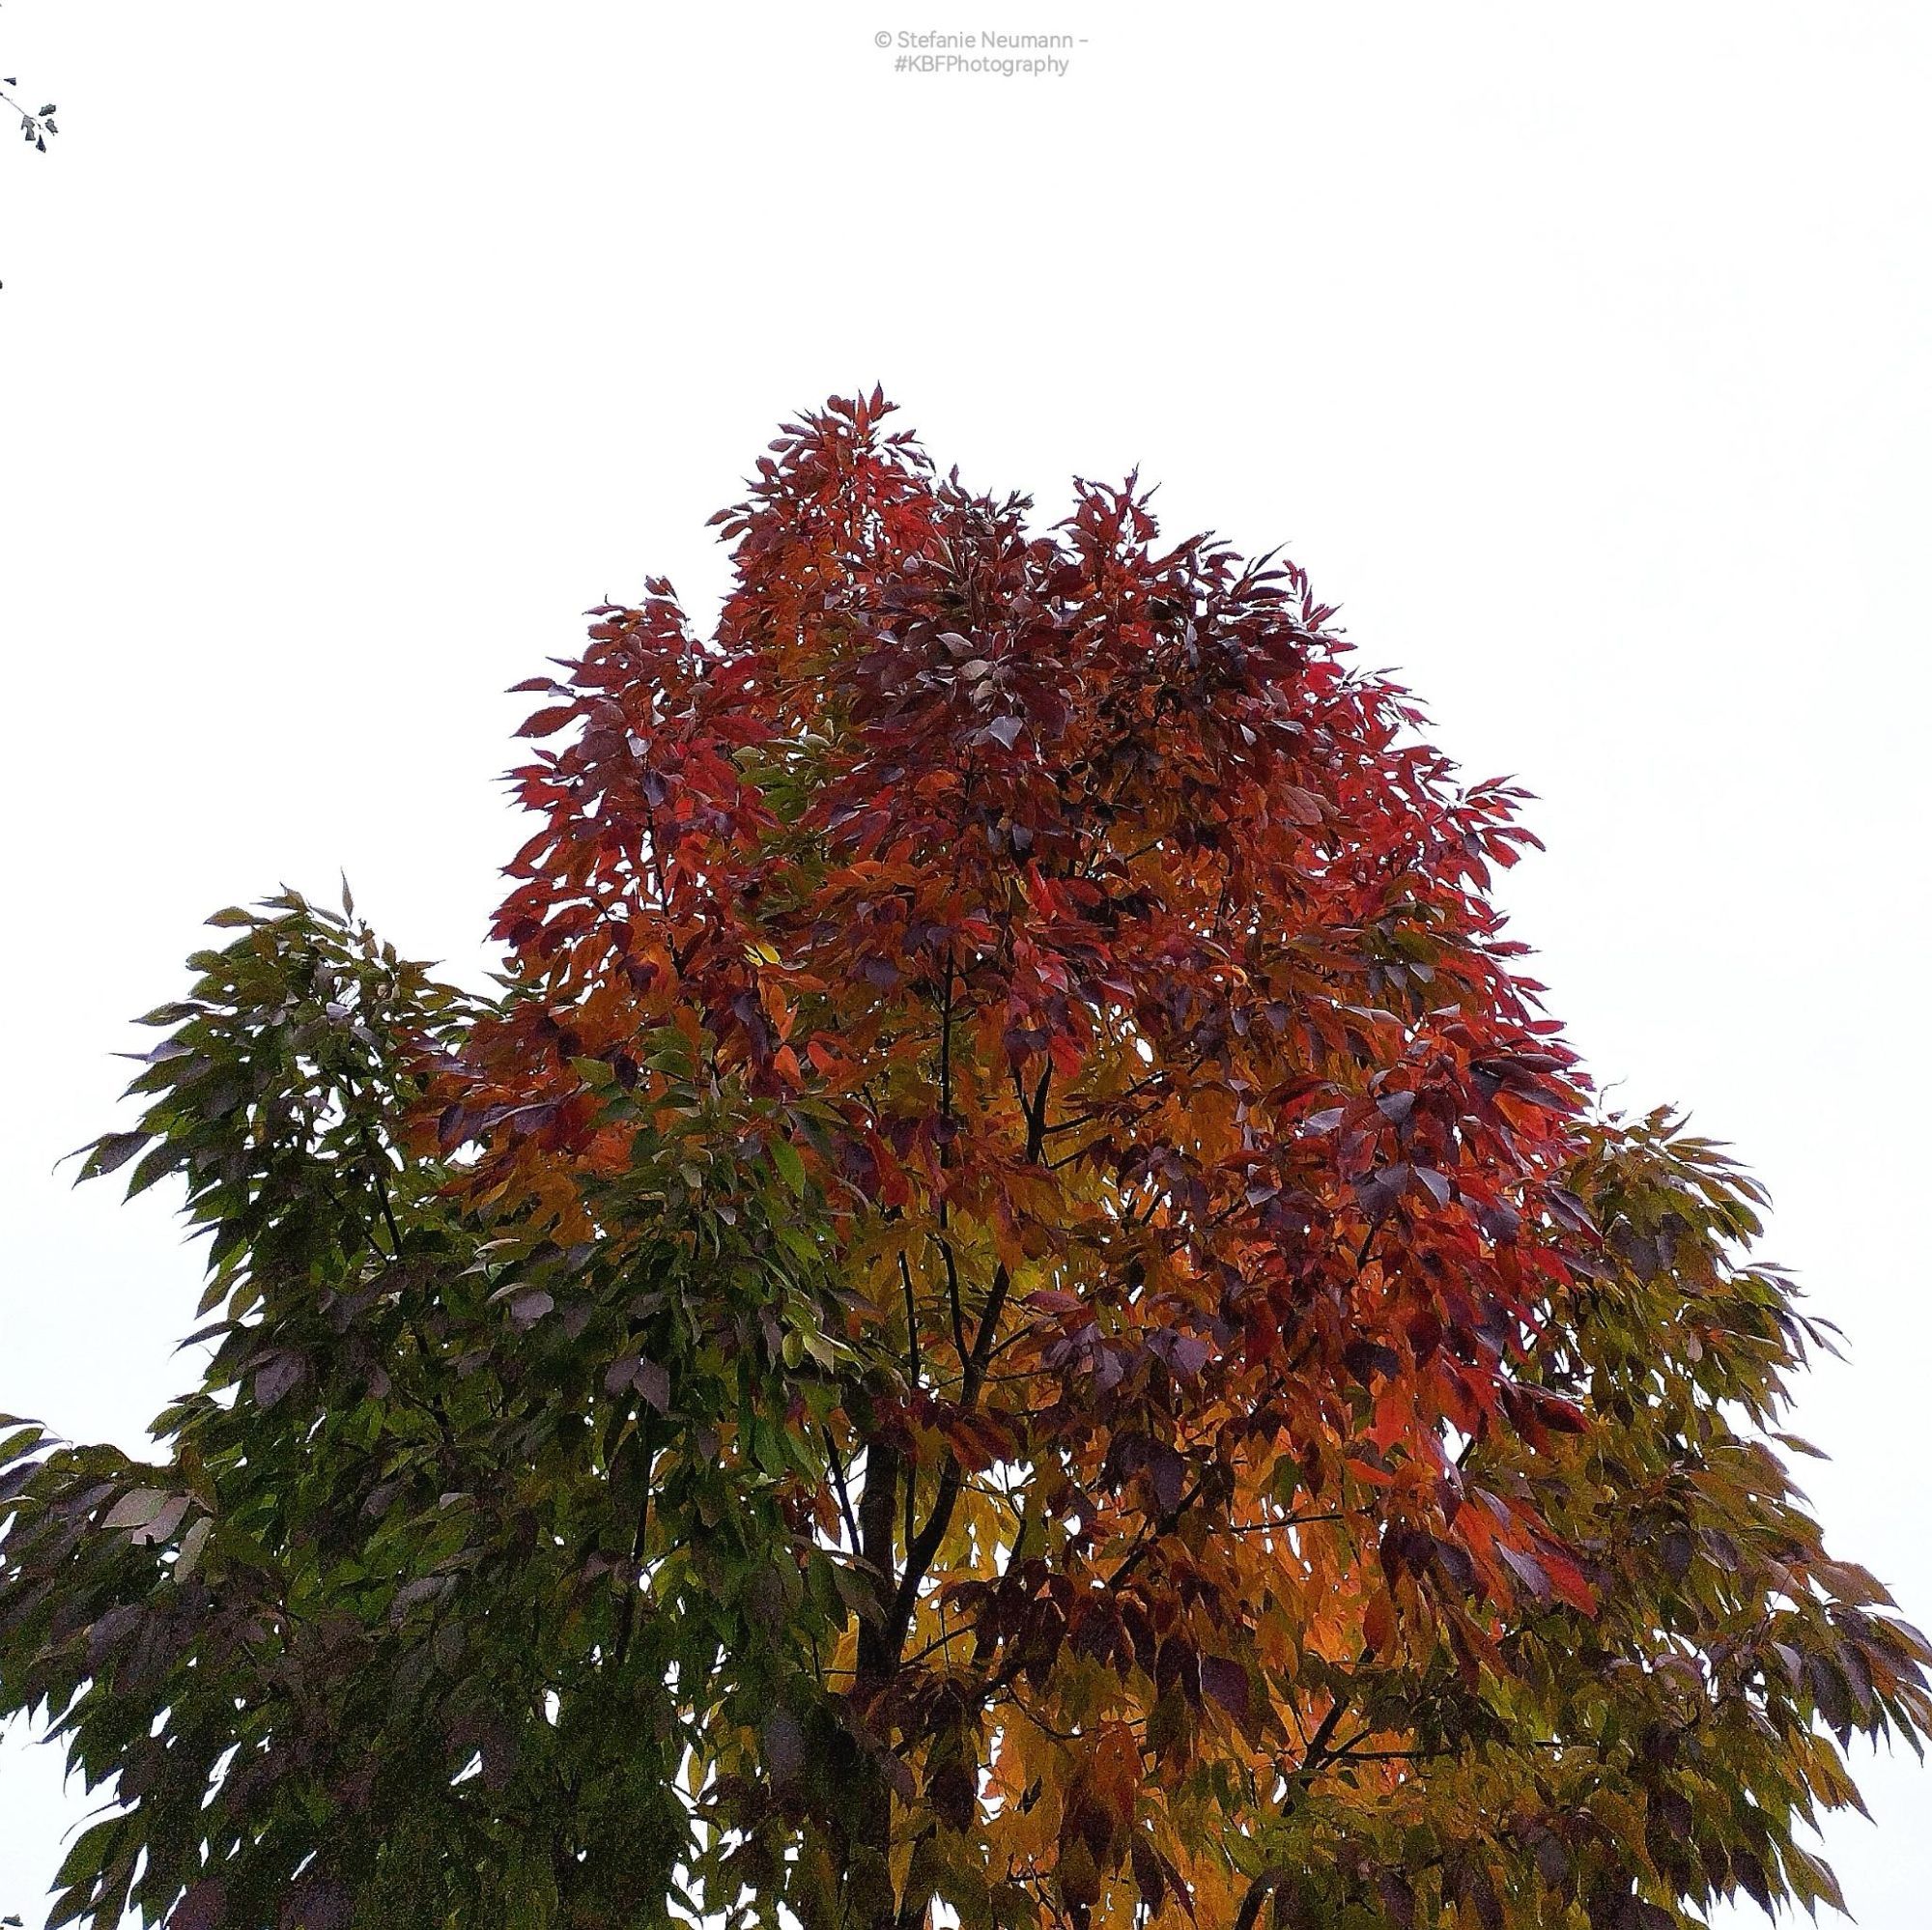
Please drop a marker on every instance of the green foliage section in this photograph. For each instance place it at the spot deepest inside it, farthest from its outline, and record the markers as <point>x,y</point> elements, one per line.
<point>1727,1638</point>
<point>435,1587</point>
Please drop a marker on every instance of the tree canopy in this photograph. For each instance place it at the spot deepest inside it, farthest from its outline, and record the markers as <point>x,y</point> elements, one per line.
<point>1011,1312</point>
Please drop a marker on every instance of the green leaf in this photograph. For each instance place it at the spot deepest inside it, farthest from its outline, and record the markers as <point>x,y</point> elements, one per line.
<point>89,1850</point>
<point>192,1543</point>
<point>111,1151</point>
<point>136,1508</point>
<point>791,1167</point>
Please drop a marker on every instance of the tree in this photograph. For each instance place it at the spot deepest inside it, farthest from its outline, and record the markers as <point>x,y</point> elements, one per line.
<point>34,128</point>
<point>1012,1306</point>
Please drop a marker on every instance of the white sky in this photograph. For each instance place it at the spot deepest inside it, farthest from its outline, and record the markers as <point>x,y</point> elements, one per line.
<point>348,351</point>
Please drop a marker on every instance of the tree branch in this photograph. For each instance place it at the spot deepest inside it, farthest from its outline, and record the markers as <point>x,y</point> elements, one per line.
<point>839,1487</point>
<point>628,1623</point>
<point>912,1320</point>
<point>1315,1758</point>
<point>877,1507</point>
<point>922,1548</point>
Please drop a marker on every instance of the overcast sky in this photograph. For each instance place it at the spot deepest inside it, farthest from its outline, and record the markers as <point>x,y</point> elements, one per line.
<point>349,352</point>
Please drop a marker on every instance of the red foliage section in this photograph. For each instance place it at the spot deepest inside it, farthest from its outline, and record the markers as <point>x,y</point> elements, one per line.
<point>1073,889</point>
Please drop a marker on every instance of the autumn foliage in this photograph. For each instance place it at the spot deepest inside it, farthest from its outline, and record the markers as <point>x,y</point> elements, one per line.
<point>1015,1307</point>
